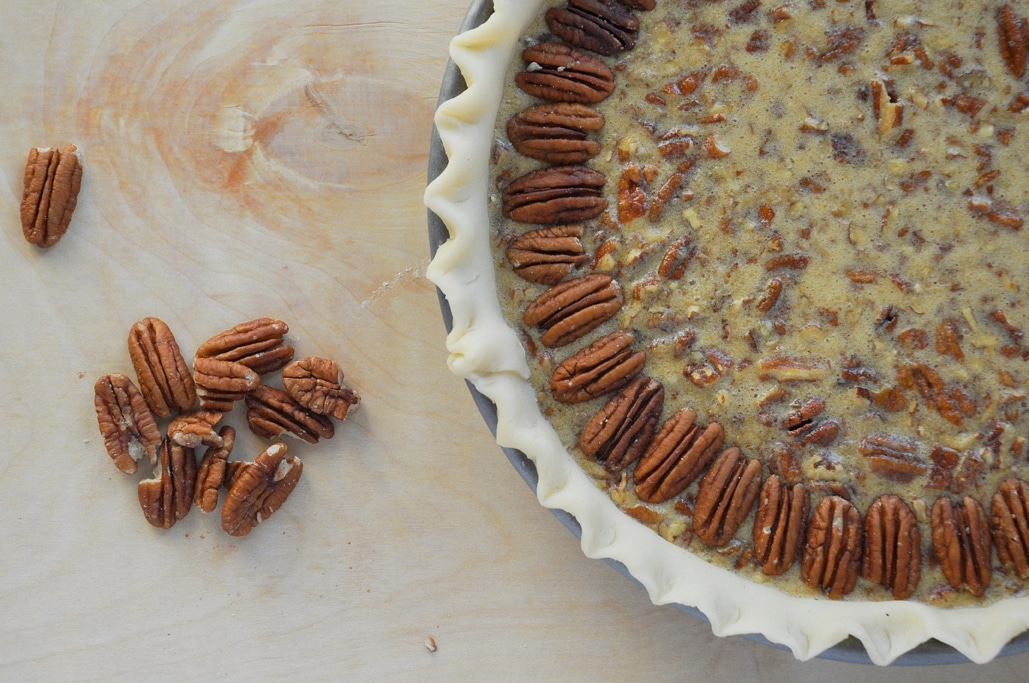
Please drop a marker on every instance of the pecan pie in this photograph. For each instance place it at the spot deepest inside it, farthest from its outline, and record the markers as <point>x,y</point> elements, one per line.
<point>764,270</point>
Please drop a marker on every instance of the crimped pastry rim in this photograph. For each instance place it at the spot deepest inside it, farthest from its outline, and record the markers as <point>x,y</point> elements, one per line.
<point>484,351</point>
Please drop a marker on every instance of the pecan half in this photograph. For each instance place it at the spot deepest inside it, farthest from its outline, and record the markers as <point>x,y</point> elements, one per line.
<point>892,456</point>
<point>259,488</point>
<point>574,308</point>
<point>547,255</point>
<point>1009,515</point>
<point>272,412</point>
<point>317,384</point>
<point>558,73</point>
<point>642,5</point>
<point>726,495</point>
<point>555,195</point>
<point>213,470</point>
<point>779,524</point>
<point>621,431</point>
<point>961,537</point>
<point>257,344</point>
<point>1011,34</point>
<point>128,427</point>
<point>604,366</point>
<point>164,377</point>
<point>893,548</point>
<point>168,497</point>
<point>195,429</point>
<point>601,26</point>
<point>52,181</point>
<point>677,455</point>
<point>220,383</point>
<point>557,133</point>
<point>832,550</point>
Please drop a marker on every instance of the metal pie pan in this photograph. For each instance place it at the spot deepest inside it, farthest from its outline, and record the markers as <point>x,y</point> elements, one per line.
<point>930,653</point>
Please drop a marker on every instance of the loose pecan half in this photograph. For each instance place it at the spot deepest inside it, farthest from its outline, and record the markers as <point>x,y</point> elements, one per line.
<point>726,495</point>
<point>677,455</point>
<point>961,537</point>
<point>272,412</point>
<point>1009,514</point>
<point>557,133</point>
<point>195,429</point>
<point>1011,34</point>
<point>52,181</point>
<point>259,488</point>
<point>832,551</point>
<point>892,456</point>
<point>220,383</point>
<point>779,524</point>
<point>621,431</point>
<point>547,255</point>
<point>317,384</point>
<point>893,547</point>
<point>164,377</point>
<point>604,366</point>
<point>558,73</point>
<point>213,470</point>
<point>257,344</point>
<point>128,427</point>
<point>574,308</point>
<point>602,26</point>
<point>555,195</point>
<point>168,497</point>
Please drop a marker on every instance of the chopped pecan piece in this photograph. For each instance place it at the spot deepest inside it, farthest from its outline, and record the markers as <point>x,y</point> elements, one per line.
<point>889,113</point>
<point>272,412</point>
<point>773,289</point>
<point>556,133</point>
<point>168,497</point>
<point>779,524</point>
<point>832,551</point>
<point>256,344</point>
<point>675,261</point>
<point>128,427</point>
<point>573,308</point>
<point>604,366</point>
<point>892,456</point>
<point>1013,41</point>
<point>195,429</point>
<point>259,488</point>
<point>621,431</point>
<point>642,5</point>
<point>948,339</point>
<point>52,181</point>
<point>547,255</point>
<point>677,455</point>
<point>164,377</point>
<point>213,470</point>
<point>602,26</point>
<point>1009,515</point>
<point>792,369</point>
<point>893,549</point>
<point>555,195</point>
<point>317,385</point>
<point>961,537</point>
<point>842,40</point>
<point>558,73</point>
<point>727,493</point>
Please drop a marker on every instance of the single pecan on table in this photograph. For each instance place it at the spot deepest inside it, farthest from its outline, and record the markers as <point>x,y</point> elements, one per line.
<point>259,488</point>
<point>317,385</point>
<point>961,537</point>
<point>163,374</point>
<point>272,412</point>
<point>220,383</point>
<point>620,432</point>
<point>257,344</point>
<point>168,497</point>
<point>572,309</point>
<point>604,366</point>
<point>602,26</point>
<point>547,255</point>
<point>558,73</point>
<point>1009,515</point>
<point>677,455</point>
<point>195,429</point>
<point>832,550</point>
<point>893,548</point>
<point>555,195</point>
<point>128,427</point>
<point>557,133</point>
<point>726,495</point>
<point>779,524</point>
<point>53,178</point>
<point>213,470</point>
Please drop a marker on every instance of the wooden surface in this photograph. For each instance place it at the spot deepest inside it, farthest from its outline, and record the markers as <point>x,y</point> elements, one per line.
<point>260,158</point>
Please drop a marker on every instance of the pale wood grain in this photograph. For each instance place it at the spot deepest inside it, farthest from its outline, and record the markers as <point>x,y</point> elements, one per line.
<point>268,158</point>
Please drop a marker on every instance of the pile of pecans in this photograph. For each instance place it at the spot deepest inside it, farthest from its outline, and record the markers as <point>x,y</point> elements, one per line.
<point>229,367</point>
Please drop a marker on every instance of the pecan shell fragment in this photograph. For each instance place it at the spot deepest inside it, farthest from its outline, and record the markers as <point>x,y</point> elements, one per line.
<point>558,73</point>
<point>677,455</point>
<point>53,178</point>
<point>259,488</point>
<point>779,524</point>
<point>168,497</point>
<point>602,26</point>
<point>726,496</point>
<point>961,537</point>
<point>1009,514</point>
<point>272,412</point>
<point>164,377</point>
<point>893,548</point>
<point>619,433</point>
<point>547,255</point>
<point>574,308</point>
<point>317,384</point>
<point>555,195</point>
<point>604,366</point>
<point>557,133</point>
<point>126,423</point>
